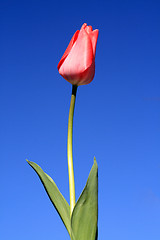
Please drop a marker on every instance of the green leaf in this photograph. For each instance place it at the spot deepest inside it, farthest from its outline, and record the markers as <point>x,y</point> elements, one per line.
<point>55,196</point>
<point>85,214</point>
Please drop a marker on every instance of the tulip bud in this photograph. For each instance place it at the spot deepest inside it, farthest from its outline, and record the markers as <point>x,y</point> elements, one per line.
<point>77,64</point>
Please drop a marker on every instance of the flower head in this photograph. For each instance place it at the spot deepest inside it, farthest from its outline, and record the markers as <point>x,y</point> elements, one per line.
<point>77,64</point>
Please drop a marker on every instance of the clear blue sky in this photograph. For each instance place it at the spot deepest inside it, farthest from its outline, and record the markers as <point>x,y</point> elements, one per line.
<point>117,116</point>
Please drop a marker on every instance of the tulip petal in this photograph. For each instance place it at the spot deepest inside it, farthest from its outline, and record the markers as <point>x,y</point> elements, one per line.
<point>94,36</point>
<point>74,38</point>
<point>88,29</point>
<point>87,76</point>
<point>83,26</point>
<point>79,58</point>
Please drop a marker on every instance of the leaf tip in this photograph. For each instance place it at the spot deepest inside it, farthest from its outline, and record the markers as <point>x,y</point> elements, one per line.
<point>95,161</point>
<point>29,162</point>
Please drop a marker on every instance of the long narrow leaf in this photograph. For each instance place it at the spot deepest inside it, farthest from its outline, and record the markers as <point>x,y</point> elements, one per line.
<point>85,214</point>
<point>55,196</point>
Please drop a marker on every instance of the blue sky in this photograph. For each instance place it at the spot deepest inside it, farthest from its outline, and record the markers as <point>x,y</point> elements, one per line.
<point>117,116</point>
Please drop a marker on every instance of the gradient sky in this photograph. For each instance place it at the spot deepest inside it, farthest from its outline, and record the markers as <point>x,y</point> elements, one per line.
<point>117,116</point>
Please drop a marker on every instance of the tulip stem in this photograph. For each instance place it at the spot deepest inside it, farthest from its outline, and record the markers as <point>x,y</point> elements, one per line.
<point>70,151</point>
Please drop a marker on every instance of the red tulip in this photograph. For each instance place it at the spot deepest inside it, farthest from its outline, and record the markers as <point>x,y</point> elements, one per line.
<point>77,64</point>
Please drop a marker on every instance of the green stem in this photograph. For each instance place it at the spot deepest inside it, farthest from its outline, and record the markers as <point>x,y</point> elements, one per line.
<point>69,150</point>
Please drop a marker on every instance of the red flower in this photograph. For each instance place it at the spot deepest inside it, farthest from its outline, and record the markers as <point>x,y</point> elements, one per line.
<point>77,64</point>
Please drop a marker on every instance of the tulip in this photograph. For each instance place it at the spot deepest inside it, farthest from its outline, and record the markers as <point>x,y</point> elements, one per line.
<point>80,218</point>
<point>77,64</point>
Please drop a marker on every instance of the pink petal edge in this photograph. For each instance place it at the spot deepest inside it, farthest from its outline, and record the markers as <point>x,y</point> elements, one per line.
<point>68,49</point>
